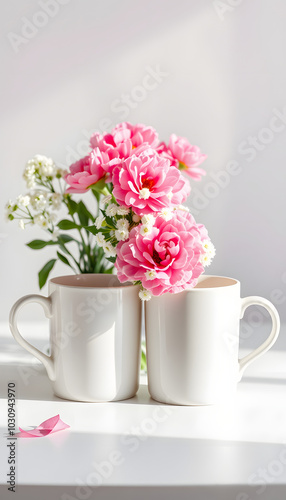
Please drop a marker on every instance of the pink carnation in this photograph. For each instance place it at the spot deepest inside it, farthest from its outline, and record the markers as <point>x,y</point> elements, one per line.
<point>148,183</point>
<point>122,140</point>
<point>167,260</point>
<point>85,172</point>
<point>188,156</point>
<point>183,155</point>
<point>138,134</point>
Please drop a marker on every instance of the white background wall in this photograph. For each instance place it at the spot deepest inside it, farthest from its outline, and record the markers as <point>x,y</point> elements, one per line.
<point>223,82</point>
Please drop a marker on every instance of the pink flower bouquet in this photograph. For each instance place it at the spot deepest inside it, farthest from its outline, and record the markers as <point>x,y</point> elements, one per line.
<point>141,227</point>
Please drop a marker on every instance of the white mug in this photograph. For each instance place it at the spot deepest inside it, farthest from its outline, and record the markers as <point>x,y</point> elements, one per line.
<point>192,342</point>
<point>95,330</point>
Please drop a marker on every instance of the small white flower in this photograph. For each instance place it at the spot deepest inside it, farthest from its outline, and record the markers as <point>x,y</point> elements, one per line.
<point>145,294</point>
<point>136,218</point>
<point>148,219</point>
<point>170,195</point>
<point>41,221</point>
<point>144,194</point>
<point>106,199</point>
<point>99,239</point>
<point>166,214</point>
<point>122,210</point>
<point>55,235</point>
<point>151,274</point>
<point>98,221</point>
<point>209,253</point>
<point>39,200</point>
<point>31,182</point>
<point>145,229</point>
<point>23,201</point>
<point>111,210</point>
<point>122,224</point>
<point>121,234</point>
<point>46,166</point>
<point>21,224</point>
<point>52,217</point>
<point>56,200</point>
<point>182,208</point>
<point>109,249</point>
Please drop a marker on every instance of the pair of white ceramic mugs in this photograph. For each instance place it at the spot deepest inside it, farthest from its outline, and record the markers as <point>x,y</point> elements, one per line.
<point>192,339</point>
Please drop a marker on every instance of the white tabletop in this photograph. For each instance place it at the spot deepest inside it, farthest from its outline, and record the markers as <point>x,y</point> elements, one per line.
<point>138,448</point>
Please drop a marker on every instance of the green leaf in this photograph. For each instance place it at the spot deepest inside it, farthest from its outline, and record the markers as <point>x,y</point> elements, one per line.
<point>96,194</point>
<point>84,214</point>
<point>45,271</point>
<point>91,229</point>
<point>111,259</point>
<point>68,224</point>
<point>38,244</point>
<point>64,238</point>
<point>72,206</point>
<point>63,259</point>
<point>108,219</point>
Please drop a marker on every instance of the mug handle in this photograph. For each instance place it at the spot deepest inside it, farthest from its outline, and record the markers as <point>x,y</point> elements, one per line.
<point>46,303</point>
<point>259,301</point>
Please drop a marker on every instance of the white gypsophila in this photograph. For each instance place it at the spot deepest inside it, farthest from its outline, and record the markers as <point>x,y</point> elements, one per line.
<point>55,235</point>
<point>45,166</point>
<point>150,275</point>
<point>122,210</point>
<point>148,220</point>
<point>182,208</point>
<point>21,224</point>
<point>39,200</point>
<point>136,218</point>
<point>146,229</point>
<point>145,294</point>
<point>144,194</point>
<point>111,210</point>
<point>99,220</point>
<point>121,234</point>
<point>10,207</point>
<point>29,174</point>
<point>109,249</point>
<point>56,199</point>
<point>99,239</point>
<point>31,182</point>
<point>166,214</point>
<point>41,221</point>
<point>122,224</point>
<point>170,195</point>
<point>23,201</point>
<point>106,199</point>
<point>52,217</point>
<point>209,253</point>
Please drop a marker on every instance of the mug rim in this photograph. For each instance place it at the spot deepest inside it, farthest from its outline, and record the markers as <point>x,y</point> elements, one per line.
<point>227,282</point>
<point>77,281</point>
